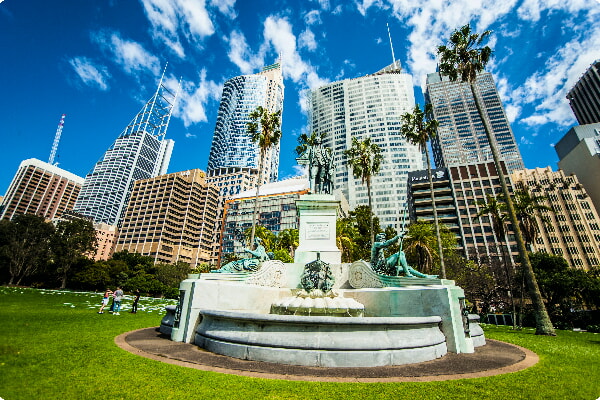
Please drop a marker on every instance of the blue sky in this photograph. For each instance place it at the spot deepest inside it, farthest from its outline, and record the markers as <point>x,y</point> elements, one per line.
<point>99,61</point>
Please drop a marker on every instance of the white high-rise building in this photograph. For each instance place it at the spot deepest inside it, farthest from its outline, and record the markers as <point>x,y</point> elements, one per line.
<point>370,106</point>
<point>140,152</point>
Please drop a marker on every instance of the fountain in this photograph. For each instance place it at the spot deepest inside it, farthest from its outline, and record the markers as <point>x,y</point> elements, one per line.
<point>319,311</point>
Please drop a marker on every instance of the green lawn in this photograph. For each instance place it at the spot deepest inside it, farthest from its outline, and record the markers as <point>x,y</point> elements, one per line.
<point>55,346</point>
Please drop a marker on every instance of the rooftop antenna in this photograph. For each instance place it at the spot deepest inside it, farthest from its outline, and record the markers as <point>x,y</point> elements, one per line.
<point>56,140</point>
<point>391,45</point>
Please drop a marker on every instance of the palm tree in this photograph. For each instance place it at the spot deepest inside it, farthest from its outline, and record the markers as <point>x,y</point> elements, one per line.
<point>264,130</point>
<point>419,128</point>
<point>365,160</point>
<point>346,233</point>
<point>526,207</point>
<point>497,213</point>
<point>463,60</point>
<point>305,141</point>
<point>288,239</point>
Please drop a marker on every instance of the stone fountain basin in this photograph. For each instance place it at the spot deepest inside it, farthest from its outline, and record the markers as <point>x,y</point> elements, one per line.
<point>321,340</point>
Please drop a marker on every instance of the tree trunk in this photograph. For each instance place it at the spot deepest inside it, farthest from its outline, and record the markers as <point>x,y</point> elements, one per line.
<point>370,210</point>
<point>509,281</point>
<point>260,172</point>
<point>435,217</point>
<point>543,323</point>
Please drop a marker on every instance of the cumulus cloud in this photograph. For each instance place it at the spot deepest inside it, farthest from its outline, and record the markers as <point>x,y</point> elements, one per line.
<point>313,17</point>
<point>241,55</point>
<point>194,98</point>
<point>130,55</point>
<point>307,40</point>
<point>91,74</point>
<point>173,19</point>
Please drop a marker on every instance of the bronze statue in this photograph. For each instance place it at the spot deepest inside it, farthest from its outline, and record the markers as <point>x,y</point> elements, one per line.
<point>259,254</point>
<point>395,263</point>
<point>320,167</point>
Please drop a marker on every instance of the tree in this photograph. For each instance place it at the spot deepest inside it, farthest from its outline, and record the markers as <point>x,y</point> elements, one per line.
<point>420,244</point>
<point>305,141</point>
<point>527,207</point>
<point>463,60</point>
<point>288,239</point>
<point>71,241</point>
<point>367,225</point>
<point>346,233</point>
<point>419,128</point>
<point>497,213</point>
<point>265,131</point>
<point>25,245</point>
<point>365,159</point>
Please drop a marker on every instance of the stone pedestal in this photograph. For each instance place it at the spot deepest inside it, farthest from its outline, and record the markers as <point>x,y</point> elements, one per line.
<point>318,215</point>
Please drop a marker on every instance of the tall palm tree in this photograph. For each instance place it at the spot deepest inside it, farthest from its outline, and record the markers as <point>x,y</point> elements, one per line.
<point>305,141</point>
<point>497,213</point>
<point>526,207</point>
<point>265,130</point>
<point>462,60</point>
<point>419,128</point>
<point>365,159</point>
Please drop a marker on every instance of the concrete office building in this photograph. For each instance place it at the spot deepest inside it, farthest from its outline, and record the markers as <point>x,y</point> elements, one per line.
<point>584,97</point>
<point>42,189</point>
<point>461,137</point>
<point>574,228</point>
<point>369,107</point>
<point>171,218</point>
<point>140,152</point>
<point>579,153</point>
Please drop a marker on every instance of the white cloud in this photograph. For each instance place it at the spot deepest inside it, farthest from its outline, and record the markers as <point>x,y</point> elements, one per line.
<point>307,40</point>
<point>91,74</point>
<point>190,135</point>
<point>226,7</point>
<point>193,98</point>
<point>129,54</point>
<point>313,17</point>
<point>241,55</point>
<point>171,19</point>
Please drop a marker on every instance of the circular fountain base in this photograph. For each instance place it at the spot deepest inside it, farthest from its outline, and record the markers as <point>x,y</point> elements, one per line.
<point>321,341</point>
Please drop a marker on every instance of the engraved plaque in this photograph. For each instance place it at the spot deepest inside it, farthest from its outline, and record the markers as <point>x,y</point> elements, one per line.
<point>317,230</point>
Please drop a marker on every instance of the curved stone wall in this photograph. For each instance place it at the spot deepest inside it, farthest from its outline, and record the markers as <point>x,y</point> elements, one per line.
<point>321,341</point>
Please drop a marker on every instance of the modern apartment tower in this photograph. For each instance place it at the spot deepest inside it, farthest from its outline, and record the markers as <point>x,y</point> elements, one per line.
<point>369,106</point>
<point>140,152</point>
<point>42,189</point>
<point>584,97</point>
<point>461,137</point>
<point>171,218</point>
<point>232,146</point>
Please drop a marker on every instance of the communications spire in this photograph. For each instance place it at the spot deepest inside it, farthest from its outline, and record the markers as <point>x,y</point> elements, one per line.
<point>391,45</point>
<point>56,140</point>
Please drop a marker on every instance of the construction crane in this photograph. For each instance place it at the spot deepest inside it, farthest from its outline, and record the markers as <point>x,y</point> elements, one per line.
<point>56,140</point>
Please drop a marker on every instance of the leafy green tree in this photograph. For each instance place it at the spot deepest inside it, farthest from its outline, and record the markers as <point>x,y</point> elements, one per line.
<point>288,239</point>
<point>171,275</point>
<point>305,141</point>
<point>527,207</point>
<point>365,159</point>
<point>367,225</point>
<point>264,130</point>
<point>268,238</point>
<point>72,240</point>
<point>419,127</point>
<point>420,244</point>
<point>462,60</point>
<point>134,261</point>
<point>25,245</point>
<point>390,233</point>
<point>346,234</point>
<point>92,276</point>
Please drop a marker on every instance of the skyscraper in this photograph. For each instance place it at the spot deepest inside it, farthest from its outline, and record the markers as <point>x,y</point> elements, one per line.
<point>369,106</point>
<point>140,152</point>
<point>461,136</point>
<point>232,146</point>
<point>171,218</point>
<point>42,189</point>
<point>584,98</point>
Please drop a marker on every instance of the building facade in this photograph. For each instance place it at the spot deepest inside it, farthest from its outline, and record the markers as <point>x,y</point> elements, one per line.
<point>171,218</point>
<point>140,152</point>
<point>369,107</point>
<point>42,189</point>
<point>573,227</point>
<point>461,192</point>
<point>232,146</point>
<point>106,237</point>
<point>461,137</point>
<point>579,153</point>
<point>584,97</point>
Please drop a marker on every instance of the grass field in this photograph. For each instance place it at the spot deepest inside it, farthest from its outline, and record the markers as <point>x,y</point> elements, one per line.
<point>55,346</point>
